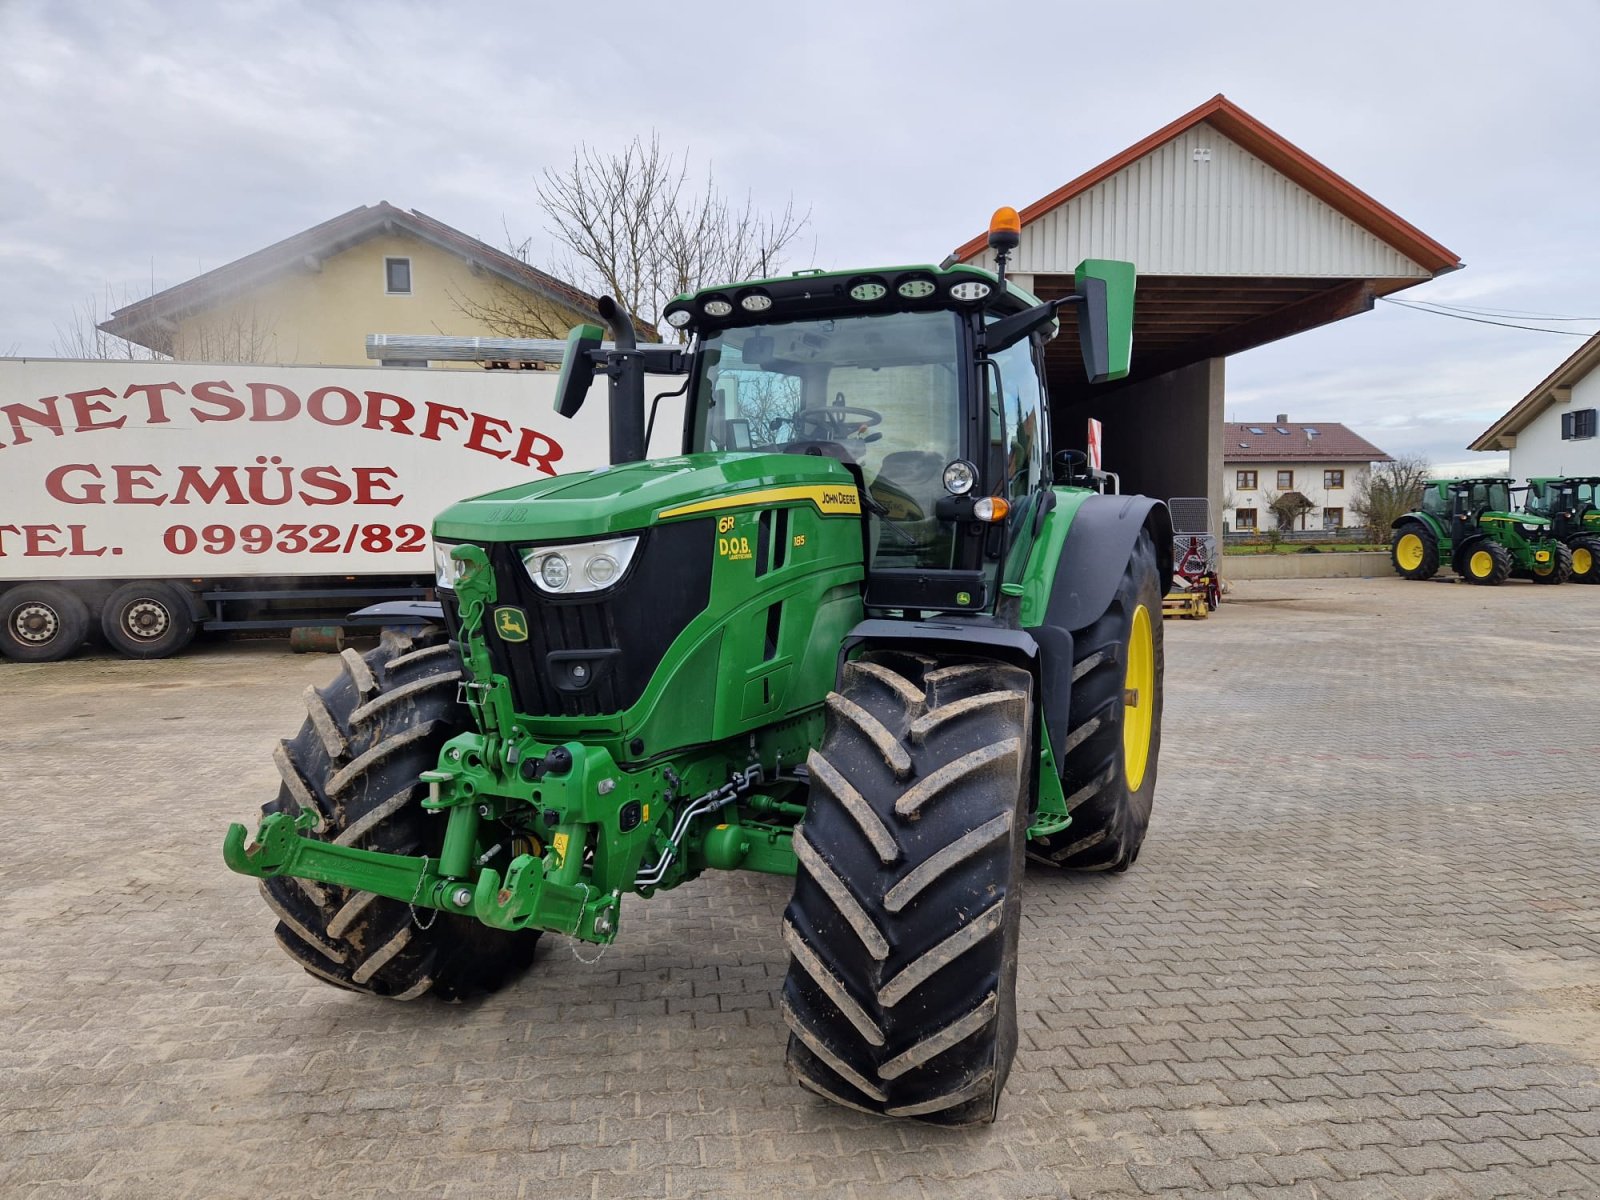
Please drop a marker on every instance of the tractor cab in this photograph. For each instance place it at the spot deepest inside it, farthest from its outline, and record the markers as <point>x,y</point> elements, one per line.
<point>1571,504</point>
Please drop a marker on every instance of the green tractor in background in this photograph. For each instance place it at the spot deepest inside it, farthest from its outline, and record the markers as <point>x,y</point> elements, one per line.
<point>857,633</point>
<point>1572,506</point>
<point>1469,525</point>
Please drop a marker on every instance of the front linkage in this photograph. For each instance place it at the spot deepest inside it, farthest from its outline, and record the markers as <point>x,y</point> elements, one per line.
<point>591,830</point>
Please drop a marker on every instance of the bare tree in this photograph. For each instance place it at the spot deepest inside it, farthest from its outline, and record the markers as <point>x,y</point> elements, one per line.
<point>236,334</point>
<point>630,224</point>
<point>1390,490</point>
<point>82,337</point>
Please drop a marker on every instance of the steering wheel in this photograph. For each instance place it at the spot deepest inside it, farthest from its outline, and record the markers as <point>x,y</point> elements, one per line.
<point>830,422</point>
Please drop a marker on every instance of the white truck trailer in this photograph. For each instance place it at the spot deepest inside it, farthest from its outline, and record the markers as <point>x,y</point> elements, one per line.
<point>147,500</point>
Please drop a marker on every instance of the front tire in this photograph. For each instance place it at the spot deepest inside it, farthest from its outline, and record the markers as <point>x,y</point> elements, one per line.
<point>1561,566</point>
<point>356,761</point>
<point>41,622</point>
<point>901,990</point>
<point>1108,764</point>
<point>1414,552</point>
<point>147,620</point>
<point>1487,564</point>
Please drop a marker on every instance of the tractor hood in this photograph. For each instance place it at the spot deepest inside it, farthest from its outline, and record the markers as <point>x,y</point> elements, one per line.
<point>630,496</point>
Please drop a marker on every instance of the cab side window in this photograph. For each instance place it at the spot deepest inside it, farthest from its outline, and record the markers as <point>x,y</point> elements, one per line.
<point>1017,436</point>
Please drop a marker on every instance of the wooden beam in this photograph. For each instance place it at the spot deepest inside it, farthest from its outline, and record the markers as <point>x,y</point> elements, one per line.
<point>1334,304</point>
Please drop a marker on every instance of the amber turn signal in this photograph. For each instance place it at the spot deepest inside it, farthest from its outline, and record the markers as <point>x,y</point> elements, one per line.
<point>991,508</point>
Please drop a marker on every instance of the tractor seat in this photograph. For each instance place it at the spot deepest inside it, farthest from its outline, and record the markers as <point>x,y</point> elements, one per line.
<point>912,470</point>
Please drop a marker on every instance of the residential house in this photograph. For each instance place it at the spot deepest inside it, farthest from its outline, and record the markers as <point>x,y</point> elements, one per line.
<point>314,297</point>
<point>1552,430</point>
<point>1293,475</point>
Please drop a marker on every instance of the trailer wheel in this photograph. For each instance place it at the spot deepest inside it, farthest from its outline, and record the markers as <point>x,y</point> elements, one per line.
<point>147,620</point>
<point>902,930</point>
<point>41,622</point>
<point>1108,764</point>
<point>1561,566</point>
<point>356,760</point>
<point>1586,560</point>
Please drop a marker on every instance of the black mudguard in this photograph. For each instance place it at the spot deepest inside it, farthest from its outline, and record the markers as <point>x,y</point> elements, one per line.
<point>1462,550</point>
<point>401,612</point>
<point>1093,558</point>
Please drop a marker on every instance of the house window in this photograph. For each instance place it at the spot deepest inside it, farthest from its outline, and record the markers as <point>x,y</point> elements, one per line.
<point>1247,481</point>
<point>1285,479</point>
<point>1333,479</point>
<point>1245,518</point>
<point>397,276</point>
<point>1333,518</point>
<point>1575,425</point>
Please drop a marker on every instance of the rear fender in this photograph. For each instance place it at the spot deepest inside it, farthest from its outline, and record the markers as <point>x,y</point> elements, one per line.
<point>1464,549</point>
<point>1090,551</point>
<point>1424,520</point>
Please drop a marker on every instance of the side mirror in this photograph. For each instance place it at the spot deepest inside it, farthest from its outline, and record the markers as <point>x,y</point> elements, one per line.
<point>577,369</point>
<point>1105,317</point>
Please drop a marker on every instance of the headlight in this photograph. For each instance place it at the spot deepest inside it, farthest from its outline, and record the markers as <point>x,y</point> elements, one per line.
<point>959,476</point>
<point>579,567</point>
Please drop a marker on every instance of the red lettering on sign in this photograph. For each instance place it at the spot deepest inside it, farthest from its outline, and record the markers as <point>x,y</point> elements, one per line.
<point>404,410</point>
<point>55,485</point>
<point>317,405</point>
<point>84,410</point>
<point>537,450</point>
<point>436,419</point>
<point>215,391</point>
<point>46,416</point>
<point>481,428</point>
<point>261,409</point>
<point>369,481</point>
<point>154,399</point>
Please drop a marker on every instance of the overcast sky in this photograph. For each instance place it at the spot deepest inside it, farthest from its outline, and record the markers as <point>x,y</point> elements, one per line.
<point>146,142</point>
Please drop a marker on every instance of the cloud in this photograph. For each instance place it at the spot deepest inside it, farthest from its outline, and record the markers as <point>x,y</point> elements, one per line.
<point>145,142</point>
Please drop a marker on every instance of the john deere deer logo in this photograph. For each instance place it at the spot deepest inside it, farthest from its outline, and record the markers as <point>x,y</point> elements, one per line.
<point>511,624</point>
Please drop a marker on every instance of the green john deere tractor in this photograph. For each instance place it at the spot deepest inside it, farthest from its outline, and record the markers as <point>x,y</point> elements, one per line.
<point>857,633</point>
<point>1572,506</point>
<point>1469,525</point>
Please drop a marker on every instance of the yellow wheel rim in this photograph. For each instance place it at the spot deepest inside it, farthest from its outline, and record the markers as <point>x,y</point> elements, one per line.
<point>1582,561</point>
<point>1138,699</point>
<point>1408,552</point>
<point>1481,564</point>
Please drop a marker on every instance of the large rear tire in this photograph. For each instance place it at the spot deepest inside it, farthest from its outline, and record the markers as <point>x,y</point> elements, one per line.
<point>901,992</point>
<point>41,622</point>
<point>1108,764</point>
<point>356,760</point>
<point>1586,560</point>
<point>1414,552</point>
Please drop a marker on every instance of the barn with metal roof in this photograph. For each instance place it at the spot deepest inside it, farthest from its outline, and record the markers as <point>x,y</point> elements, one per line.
<point>1240,238</point>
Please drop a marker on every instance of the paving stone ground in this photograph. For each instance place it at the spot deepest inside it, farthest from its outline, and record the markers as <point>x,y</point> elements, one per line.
<point>1357,958</point>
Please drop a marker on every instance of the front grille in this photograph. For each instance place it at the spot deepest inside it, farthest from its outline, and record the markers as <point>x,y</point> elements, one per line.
<point>628,627</point>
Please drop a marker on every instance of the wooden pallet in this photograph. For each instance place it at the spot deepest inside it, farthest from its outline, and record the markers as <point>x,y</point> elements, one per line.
<point>1185,604</point>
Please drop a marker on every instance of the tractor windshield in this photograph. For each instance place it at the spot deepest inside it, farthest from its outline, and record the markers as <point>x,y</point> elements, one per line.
<point>882,392</point>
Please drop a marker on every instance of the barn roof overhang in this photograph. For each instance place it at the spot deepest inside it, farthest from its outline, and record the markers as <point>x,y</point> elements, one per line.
<point>1240,237</point>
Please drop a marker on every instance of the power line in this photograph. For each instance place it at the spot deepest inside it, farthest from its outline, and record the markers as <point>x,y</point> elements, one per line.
<point>1458,316</point>
<point>1501,312</point>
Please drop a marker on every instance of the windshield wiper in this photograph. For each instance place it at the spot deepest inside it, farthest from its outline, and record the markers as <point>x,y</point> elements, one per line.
<point>877,509</point>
